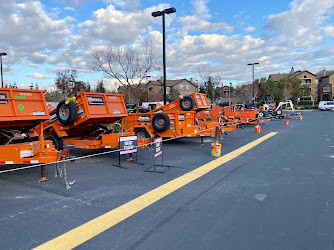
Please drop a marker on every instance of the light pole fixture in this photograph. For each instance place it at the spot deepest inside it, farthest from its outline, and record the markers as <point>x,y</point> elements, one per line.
<point>1,55</point>
<point>229,94</point>
<point>253,80</point>
<point>146,87</point>
<point>156,14</point>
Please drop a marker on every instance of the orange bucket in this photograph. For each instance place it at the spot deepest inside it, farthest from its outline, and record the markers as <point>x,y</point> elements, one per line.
<point>286,122</point>
<point>257,129</point>
<point>215,149</point>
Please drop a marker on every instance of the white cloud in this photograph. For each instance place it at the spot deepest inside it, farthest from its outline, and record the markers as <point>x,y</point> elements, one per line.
<point>69,8</point>
<point>193,23</point>
<point>124,4</point>
<point>200,9</point>
<point>329,30</point>
<point>37,76</point>
<point>29,31</point>
<point>75,3</point>
<point>250,29</point>
<point>199,21</point>
<point>302,16</point>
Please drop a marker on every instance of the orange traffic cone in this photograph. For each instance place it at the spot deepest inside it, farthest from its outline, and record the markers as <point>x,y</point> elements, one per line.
<point>286,122</point>
<point>257,127</point>
<point>300,116</point>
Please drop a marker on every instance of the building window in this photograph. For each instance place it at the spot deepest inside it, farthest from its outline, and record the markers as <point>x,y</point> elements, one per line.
<point>181,87</point>
<point>150,89</point>
<point>167,90</point>
<point>305,76</point>
<point>306,81</point>
<point>187,87</point>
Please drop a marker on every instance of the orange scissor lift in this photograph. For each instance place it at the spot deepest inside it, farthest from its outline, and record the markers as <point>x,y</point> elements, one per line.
<point>175,119</point>
<point>85,121</point>
<point>20,110</point>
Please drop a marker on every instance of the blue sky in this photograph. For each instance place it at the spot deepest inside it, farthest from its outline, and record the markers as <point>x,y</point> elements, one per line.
<point>220,37</point>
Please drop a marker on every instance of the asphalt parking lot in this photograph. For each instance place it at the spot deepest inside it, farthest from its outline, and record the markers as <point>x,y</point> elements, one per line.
<point>276,195</point>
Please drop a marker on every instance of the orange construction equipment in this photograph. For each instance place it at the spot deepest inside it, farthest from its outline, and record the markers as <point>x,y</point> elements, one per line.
<point>215,114</point>
<point>241,115</point>
<point>20,110</point>
<point>175,119</point>
<point>85,121</point>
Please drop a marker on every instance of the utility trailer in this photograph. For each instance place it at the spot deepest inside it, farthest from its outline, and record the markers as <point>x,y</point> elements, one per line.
<point>241,115</point>
<point>21,110</point>
<point>215,114</point>
<point>175,119</point>
<point>85,121</point>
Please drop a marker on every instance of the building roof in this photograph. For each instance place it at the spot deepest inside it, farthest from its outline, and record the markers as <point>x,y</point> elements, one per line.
<point>277,77</point>
<point>324,73</point>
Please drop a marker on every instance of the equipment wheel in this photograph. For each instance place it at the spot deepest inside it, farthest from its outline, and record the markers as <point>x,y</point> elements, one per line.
<point>66,113</point>
<point>56,141</point>
<point>142,133</point>
<point>160,122</point>
<point>187,103</point>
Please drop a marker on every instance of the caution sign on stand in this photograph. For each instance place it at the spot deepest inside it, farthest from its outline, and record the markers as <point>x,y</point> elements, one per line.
<point>158,147</point>
<point>127,145</point>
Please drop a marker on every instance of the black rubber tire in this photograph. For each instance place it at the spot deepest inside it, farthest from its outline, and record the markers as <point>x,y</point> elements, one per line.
<point>142,133</point>
<point>160,122</point>
<point>279,112</point>
<point>187,103</point>
<point>260,114</point>
<point>56,141</point>
<point>27,139</point>
<point>71,116</point>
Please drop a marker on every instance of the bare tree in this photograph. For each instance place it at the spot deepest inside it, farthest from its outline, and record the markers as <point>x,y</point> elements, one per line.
<point>66,81</point>
<point>211,82</point>
<point>205,74</point>
<point>246,91</point>
<point>126,65</point>
<point>313,96</point>
<point>287,92</point>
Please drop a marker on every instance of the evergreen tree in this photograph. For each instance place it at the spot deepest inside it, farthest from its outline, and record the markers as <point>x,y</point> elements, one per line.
<point>100,87</point>
<point>88,88</point>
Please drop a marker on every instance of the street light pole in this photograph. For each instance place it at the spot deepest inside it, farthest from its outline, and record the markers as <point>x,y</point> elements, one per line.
<point>156,14</point>
<point>146,87</point>
<point>1,55</point>
<point>229,94</point>
<point>253,81</point>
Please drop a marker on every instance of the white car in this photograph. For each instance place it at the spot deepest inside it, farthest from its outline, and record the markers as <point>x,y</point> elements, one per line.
<point>326,105</point>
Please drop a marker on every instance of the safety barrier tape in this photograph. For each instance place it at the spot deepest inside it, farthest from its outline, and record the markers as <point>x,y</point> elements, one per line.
<point>97,154</point>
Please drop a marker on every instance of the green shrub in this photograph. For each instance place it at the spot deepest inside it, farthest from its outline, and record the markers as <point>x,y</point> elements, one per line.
<point>306,103</point>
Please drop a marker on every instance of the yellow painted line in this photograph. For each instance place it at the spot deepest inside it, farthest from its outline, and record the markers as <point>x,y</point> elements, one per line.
<point>83,233</point>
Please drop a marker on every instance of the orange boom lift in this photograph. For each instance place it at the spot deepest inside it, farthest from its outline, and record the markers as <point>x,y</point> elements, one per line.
<point>21,110</point>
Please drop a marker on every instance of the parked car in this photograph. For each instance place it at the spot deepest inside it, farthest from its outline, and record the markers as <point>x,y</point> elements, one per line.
<point>326,105</point>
